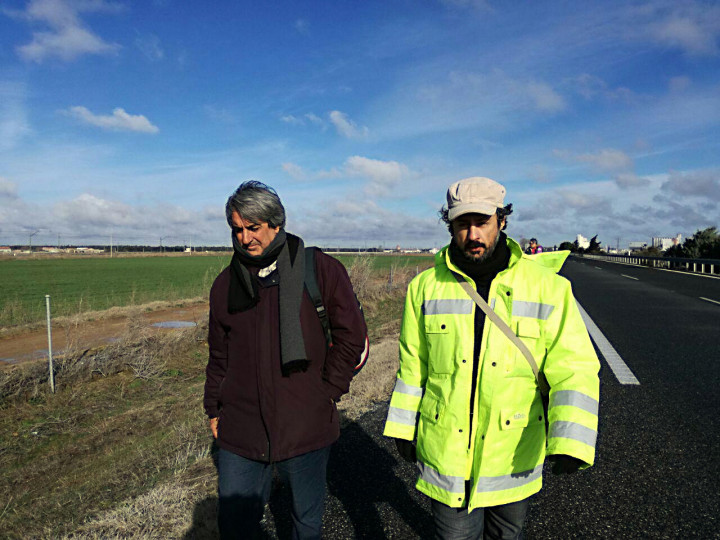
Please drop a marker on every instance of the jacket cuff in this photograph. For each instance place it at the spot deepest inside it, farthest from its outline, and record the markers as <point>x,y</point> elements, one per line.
<point>333,391</point>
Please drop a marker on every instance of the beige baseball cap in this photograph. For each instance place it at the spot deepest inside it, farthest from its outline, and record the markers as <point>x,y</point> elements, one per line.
<point>476,194</point>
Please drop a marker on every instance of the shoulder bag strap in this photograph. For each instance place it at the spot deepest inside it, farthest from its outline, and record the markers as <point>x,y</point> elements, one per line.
<point>312,288</point>
<point>505,329</point>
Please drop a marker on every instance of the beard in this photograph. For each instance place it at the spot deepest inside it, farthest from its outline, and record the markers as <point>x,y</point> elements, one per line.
<point>485,255</point>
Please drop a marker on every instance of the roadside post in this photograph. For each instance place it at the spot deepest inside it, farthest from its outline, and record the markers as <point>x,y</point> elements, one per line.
<point>50,357</point>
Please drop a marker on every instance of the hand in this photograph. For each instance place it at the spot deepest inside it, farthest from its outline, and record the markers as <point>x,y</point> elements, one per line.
<point>406,449</point>
<point>562,464</point>
<point>214,425</point>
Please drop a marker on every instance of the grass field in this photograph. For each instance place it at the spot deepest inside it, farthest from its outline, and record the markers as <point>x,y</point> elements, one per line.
<point>126,425</point>
<point>94,284</point>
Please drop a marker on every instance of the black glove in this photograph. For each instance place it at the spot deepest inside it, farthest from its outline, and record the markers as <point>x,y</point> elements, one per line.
<point>562,464</point>
<point>406,449</point>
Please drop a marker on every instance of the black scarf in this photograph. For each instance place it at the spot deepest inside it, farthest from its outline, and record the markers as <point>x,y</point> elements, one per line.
<point>243,291</point>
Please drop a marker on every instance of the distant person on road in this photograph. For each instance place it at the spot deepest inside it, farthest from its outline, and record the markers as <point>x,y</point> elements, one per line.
<point>467,404</point>
<point>272,381</point>
<point>533,248</point>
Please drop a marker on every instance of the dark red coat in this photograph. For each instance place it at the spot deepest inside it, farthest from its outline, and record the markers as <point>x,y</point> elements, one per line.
<point>263,415</point>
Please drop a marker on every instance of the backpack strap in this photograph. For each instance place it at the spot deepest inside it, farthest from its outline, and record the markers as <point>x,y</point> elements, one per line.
<point>313,290</point>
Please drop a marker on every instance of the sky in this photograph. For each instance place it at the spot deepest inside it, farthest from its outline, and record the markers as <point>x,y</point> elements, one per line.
<point>133,121</point>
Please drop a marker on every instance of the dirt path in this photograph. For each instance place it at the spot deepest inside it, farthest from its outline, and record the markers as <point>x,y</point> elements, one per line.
<point>88,334</point>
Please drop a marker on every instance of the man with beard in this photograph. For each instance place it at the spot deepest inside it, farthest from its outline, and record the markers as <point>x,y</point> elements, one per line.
<point>469,405</point>
<point>272,381</point>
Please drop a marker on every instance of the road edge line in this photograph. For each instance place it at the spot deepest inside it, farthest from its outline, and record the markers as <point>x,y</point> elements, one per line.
<point>619,368</point>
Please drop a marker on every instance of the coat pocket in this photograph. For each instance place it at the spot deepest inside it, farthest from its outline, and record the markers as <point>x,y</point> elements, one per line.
<point>530,333</point>
<point>513,419</point>
<point>440,351</point>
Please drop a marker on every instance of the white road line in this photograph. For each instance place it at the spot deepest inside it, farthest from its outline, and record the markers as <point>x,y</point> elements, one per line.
<point>598,268</point>
<point>630,277</point>
<point>618,367</point>
<point>709,300</point>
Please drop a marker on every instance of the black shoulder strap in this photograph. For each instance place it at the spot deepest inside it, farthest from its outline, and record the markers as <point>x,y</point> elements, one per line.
<point>312,288</point>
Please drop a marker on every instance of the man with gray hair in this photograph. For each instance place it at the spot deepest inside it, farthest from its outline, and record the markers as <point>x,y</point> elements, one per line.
<point>487,335</point>
<point>272,381</point>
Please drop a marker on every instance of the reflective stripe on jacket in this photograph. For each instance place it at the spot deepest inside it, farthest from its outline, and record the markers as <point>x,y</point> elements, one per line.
<point>502,453</point>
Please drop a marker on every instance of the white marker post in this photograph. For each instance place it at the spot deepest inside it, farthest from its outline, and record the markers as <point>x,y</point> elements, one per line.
<point>50,358</point>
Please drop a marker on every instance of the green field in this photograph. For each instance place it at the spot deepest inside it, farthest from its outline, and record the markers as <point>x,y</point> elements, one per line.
<point>78,285</point>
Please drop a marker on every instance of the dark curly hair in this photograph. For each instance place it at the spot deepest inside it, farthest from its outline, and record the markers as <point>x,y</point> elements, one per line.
<point>501,213</point>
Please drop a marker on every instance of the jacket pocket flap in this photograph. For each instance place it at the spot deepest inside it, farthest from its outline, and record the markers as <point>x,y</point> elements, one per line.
<point>431,407</point>
<point>513,419</point>
<point>436,326</point>
<point>528,328</point>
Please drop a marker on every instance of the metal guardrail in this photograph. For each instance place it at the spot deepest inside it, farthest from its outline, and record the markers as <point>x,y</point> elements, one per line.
<point>697,266</point>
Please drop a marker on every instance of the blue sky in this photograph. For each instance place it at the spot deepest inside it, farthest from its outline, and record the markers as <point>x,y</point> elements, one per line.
<point>138,119</point>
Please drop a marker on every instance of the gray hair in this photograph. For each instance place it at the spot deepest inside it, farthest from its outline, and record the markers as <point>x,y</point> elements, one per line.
<point>256,202</point>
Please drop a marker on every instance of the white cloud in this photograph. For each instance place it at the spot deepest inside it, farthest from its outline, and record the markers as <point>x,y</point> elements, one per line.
<point>590,87</point>
<point>303,120</point>
<point>608,159</point>
<point>346,127</point>
<point>65,36</point>
<point>692,27</point>
<point>8,189</point>
<point>150,47</point>
<point>544,97</point>
<point>362,222</point>
<point>630,180</point>
<point>314,119</point>
<point>703,184</point>
<point>294,170</point>
<point>118,121</point>
<point>92,219</point>
<point>382,175</point>
<point>294,120</point>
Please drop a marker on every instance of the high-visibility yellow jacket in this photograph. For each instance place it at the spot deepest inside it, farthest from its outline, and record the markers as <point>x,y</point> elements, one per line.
<point>502,453</point>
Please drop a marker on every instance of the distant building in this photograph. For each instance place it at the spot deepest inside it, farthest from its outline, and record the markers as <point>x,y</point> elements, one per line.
<point>666,242</point>
<point>5,249</point>
<point>582,242</point>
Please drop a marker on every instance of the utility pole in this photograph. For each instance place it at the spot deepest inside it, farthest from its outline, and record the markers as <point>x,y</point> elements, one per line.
<point>31,236</point>
<point>111,244</point>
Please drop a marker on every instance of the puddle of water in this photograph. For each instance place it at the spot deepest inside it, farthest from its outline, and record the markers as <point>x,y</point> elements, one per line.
<point>174,324</point>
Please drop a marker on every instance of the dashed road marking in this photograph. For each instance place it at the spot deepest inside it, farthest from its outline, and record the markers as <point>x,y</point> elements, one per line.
<point>709,300</point>
<point>598,268</point>
<point>617,365</point>
<point>630,277</point>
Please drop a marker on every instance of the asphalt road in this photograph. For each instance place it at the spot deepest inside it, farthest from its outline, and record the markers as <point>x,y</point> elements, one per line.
<point>657,472</point>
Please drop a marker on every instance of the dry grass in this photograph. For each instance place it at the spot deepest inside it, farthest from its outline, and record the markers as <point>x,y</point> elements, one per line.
<point>184,505</point>
<point>122,450</point>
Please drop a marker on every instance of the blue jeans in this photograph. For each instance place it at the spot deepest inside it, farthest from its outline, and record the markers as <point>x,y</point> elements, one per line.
<point>244,489</point>
<point>504,522</point>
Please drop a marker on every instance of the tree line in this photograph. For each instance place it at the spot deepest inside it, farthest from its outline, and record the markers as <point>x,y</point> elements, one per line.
<point>704,244</point>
